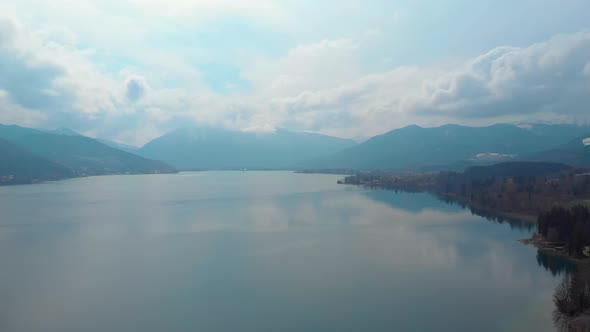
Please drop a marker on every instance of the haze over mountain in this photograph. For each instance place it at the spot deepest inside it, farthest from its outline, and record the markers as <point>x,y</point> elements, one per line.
<point>61,131</point>
<point>214,148</point>
<point>120,146</point>
<point>576,152</point>
<point>414,147</point>
<point>410,148</point>
<point>33,155</point>
<point>111,143</point>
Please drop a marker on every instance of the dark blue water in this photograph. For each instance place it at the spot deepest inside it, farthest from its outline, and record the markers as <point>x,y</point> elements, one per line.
<point>258,251</point>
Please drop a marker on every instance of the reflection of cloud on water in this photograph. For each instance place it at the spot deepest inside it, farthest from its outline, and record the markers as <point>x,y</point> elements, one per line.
<point>331,247</point>
<point>394,235</point>
<point>264,218</point>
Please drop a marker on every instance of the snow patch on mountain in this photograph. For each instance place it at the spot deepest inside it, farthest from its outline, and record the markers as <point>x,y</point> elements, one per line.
<point>492,156</point>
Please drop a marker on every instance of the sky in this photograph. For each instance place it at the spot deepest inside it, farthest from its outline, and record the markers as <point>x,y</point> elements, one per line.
<point>131,70</point>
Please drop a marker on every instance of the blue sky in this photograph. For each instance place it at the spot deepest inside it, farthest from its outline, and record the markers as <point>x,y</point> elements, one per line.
<point>131,70</point>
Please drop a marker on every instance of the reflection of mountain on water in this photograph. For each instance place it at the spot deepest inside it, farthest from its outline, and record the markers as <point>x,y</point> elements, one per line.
<point>513,222</point>
<point>418,202</point>
<point>412,202</point>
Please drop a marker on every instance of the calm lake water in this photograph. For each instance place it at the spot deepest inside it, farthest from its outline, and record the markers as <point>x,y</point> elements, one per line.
<point>258,251</point>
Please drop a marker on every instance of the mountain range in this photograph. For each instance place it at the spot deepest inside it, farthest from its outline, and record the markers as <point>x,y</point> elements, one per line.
<point>411,148</point>
<point>457,147</point>
<point>575,152</point>
<point>215,148</point>
<point>30,155</point>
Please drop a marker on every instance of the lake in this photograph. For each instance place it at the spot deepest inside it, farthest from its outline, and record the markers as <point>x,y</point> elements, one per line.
<point>259,251</point>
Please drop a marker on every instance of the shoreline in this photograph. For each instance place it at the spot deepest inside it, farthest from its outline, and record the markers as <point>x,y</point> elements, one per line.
<point>536,240</point>
<point>523,217</point>
<point>39,181</point>
<point>554,249</point>
<point>526,217</point>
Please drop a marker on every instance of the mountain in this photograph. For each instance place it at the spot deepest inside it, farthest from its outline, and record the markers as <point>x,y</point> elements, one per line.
<point>361,139</point>
<point>576,152</point>
<point>79,154</point>
<point>119,146</point>
<point>86,156</point>
<point>515,169</point>
<point>14,132</point>
<point>18,166</point>
<point>215,148</point>
<point>112,144</point>
<point>61,131</point>
<point>449,146</point>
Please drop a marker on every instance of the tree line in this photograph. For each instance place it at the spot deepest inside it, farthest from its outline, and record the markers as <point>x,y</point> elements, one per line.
<point>568,225</point>
<point>517,187</point>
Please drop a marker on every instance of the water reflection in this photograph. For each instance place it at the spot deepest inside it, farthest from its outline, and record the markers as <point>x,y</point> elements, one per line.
<point>572,296</point>
<point>258,252</point>
<point>572,301</point>
<point>499,218</point>
<point>557,265</point>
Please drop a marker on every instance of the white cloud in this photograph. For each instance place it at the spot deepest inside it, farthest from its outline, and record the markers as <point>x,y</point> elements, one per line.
<point>89,68</point>
<point>540,82</point>
<point>41,74</point>
<point>136,87</point>
<point>541,78</point>
<point>319,65</point>
<point>11,113</point>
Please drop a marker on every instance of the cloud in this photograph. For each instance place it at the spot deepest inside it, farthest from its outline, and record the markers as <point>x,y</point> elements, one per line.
<point>315,66</point>
<point>40,74</point>
<point>368,105</point>
<point>546,77</point>
<point>136,88</point>
<point>26,79</point>
<point>50,84</point>
<point>544,81</point>
<point>12,113</point>
<point>89,68</point>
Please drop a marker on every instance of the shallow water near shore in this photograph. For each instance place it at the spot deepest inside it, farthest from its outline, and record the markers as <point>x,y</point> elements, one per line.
<point>259,251</point>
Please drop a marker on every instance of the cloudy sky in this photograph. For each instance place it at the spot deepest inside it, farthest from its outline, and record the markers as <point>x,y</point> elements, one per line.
<point>130,70</point>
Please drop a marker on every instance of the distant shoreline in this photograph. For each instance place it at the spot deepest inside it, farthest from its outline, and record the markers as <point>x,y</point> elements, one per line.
<point>41,181</point>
